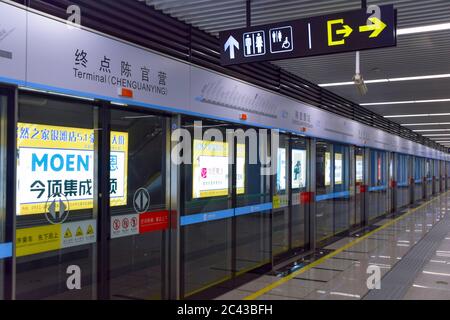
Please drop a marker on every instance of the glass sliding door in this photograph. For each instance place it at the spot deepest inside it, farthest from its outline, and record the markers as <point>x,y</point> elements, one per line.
<point>56,221</point>
<point>299,182</point>
<point>402,180</point>
<point>139,214</point>
<point>378,184</point>
<point>436,176</point>
<point>428,178</point>
<point>5,247</point>
<point>324,190</point>
<point>419,166</point>
<point>251,188</point>
<point>359,178</point>
<point>280,213</point>
<point>343,199</point>
<point>206,209</point>
<point>287,201</point>
<point>333,197</point>
<point>226,222</point>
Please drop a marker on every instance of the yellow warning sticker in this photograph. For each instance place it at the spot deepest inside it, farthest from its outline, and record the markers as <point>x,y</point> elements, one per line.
<point>68,234</point>
<point>90,230</point>
<point>79,232</point>
<point>38,239</point>
<point>54,237</point>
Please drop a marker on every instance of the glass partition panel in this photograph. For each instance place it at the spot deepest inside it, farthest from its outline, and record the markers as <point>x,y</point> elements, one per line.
<point>206,208</point>
<point>378,185</point>
<point>280,213</point>
<point>4,248</point>
<point>402,179</point>
<point>253,203</point>
<point>343,202</point>
<point>324,189</point>
<point>359,181</point>
<point>56,222</point>
<point>299,183</point>
<point>139,216</point>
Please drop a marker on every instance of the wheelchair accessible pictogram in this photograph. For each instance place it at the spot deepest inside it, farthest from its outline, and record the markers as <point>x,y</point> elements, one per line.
<point>281,40</point>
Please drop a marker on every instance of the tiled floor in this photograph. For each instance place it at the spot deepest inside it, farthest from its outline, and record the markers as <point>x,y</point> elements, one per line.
<point>344,275</point>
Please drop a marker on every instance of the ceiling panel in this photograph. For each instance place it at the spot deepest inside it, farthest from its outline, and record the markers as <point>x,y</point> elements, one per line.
<point>415,54</point>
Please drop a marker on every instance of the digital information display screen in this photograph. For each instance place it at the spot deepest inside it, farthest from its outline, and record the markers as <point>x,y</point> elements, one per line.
<point>55,160</point>
<point>210,169</point>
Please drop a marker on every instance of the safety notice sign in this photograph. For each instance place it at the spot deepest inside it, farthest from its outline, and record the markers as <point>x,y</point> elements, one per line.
<point>124,225</point>
<point>55,237</point>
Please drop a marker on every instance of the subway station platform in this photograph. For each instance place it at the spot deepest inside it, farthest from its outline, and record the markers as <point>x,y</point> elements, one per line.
<point>412,252</point>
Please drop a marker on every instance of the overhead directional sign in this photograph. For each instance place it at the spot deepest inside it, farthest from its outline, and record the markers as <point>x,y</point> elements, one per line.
<point>375,27</point>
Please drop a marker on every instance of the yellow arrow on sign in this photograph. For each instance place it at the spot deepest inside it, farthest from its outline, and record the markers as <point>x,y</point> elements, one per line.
<point>346,32</point>
<point>377,27</point>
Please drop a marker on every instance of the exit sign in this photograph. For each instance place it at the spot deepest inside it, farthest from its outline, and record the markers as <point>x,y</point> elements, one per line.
<point>334,33</point>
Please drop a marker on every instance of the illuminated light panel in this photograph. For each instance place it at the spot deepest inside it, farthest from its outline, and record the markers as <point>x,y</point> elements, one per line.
<point>432,130</point>
<point>418,115</point>
<point>422,29</point>
<point>404,102</point>
<point>426,124</point>
<point>437,135</point>
<point>414,78</point>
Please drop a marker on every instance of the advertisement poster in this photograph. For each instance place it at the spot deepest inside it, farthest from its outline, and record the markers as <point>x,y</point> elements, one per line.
<point>327,169</point>
<point>56,160</point>
<point>338,168</point>
<point>281,170</point>
<point>298,169</point>
<point>379,169</point>
<point>210,169</point>
<point>359,169</point>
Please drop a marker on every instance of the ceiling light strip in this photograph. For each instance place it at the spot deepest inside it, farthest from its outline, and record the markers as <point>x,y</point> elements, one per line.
<point>427,77</point>
<point>404,102</point>
<point>417,115</point>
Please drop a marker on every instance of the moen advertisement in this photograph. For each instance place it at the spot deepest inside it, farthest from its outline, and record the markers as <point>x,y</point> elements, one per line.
<point>60,161</point>
<point>210,169</point>
<point>298,169</point>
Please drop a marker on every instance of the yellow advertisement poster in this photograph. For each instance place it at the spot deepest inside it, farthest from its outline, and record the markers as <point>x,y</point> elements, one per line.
<point>210,169</point>
<point>55,160</point>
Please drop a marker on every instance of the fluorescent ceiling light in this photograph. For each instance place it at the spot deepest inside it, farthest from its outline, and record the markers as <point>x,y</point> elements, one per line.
<point>404,102</point>
<point>429,28</point>
<point>432,130</point>
<point>426,124</point>
<point>427,77</point>
<point>418,115</point>
<point>348,83</point>
<point>437,135</point>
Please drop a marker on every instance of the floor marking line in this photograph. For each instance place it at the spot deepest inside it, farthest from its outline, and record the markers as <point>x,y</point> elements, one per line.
<point>336,252</point>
